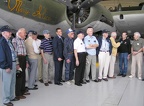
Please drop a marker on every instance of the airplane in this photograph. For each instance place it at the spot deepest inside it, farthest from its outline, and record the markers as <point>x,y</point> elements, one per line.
<point>39,15</point>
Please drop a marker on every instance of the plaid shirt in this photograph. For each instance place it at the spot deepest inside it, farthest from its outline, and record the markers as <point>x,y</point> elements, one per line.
<point>19,45</point>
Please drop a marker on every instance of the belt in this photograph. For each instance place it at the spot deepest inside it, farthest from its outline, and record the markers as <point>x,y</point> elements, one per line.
<point>13,61</point>
<point>49,53</point>
<point>81,52</point>
<point>104,51</point>
<point>70,53</point>
<point>21,55</point>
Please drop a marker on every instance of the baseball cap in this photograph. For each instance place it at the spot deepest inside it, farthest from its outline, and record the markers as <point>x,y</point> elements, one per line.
<point>46,32</point>
<point>105,31</point>
<point>80,32</point>
<point>5,28</point>
<point>69,30</point>
<point>32,32</point>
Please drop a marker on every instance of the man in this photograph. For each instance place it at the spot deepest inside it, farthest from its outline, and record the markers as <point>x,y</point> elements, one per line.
<point>58,46</point>
<point>32,52</point>
<point>69,56</point>
<point>47,55</point>
<point>91,44</point>
<point>80,56</point>
<point>40,66</point>
<point>124,51</point>
<point>113,55</point>
<point>7,67</point>
<point>137,55</point>
<point>104,51</point>
<point>19,45</point>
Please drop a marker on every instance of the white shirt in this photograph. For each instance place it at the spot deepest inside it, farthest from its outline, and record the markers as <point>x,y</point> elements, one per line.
<point>36,45</point>
<point>79,45</point>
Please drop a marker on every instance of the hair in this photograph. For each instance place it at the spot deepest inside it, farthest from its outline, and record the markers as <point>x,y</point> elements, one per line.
<point>113,34</point>
<point>58,29</point>
<point>137,33</point>
<point>89,27</point>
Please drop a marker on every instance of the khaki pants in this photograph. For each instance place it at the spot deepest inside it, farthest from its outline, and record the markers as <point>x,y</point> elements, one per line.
<point>48,68</point>
<point>112,63</point>
<point>40,71</point>
<point>104,59</point>
<point>90,64</point>
<point>137,59</point>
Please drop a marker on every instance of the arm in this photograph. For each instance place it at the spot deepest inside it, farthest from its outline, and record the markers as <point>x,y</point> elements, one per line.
<point>114,44</point>
<point>55,48</point>
<point>65,52</point>
<point>76,57</point>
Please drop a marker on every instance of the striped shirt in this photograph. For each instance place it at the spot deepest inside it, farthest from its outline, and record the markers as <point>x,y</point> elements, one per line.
<point>46,45</point>
<point>19,45</point>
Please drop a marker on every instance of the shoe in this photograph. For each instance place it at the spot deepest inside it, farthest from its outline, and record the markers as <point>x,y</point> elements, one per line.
<point>58,84</point>
<point>21,97</point>
<point>119,74</point>
<point>78,84</point>
<point>123,75</point>
<point>49,82</point>
<point>99,80</point>
<point>26,93</point>
<point>62,81</point>
<point>131,76</point>
<point>34,88</point>
<point>41,80</point>
<point>87,81</point>
<point>46,84</point>
<point>15,99</point>
<point>139,78</point>
<point>68,82</point>
<point>35,85</point>
<point>83,82</point>
<point>95,80</point>
<point>112,77</point>
<point>72,81</point>
<point>105,79</point>
<point>8,104</point>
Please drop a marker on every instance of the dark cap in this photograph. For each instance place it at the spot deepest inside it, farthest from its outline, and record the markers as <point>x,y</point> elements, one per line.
<point>32,32</point>
<point>69,30</point>
<point>5,28</point>
<point>105,31</point>
<point>80,32</point>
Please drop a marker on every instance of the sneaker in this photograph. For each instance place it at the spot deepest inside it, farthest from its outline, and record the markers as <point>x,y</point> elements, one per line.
<point>131,76</point>
<point>68,82</point>
<point>139,78</point>
<point>72,81</point>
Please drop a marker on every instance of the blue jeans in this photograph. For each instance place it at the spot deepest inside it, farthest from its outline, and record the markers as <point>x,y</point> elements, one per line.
<point>69,68</point>
<point>123,63</point>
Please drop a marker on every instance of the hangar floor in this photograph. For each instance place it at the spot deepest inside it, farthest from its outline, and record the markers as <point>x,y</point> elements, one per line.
<point>115,92</point>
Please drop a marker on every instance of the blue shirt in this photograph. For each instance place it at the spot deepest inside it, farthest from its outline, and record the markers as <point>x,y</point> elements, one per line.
<point>90,40</point>
<point>105,45</point>
<point>46,45</point>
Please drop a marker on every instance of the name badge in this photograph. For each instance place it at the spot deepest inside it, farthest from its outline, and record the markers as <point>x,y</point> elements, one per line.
<point>137,43</point>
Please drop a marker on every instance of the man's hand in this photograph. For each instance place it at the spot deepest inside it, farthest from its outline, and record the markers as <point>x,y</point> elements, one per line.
<point>77,62</point>
<point>134,53</point>
<point>60,59</point>
<point>45,61</point>
<point>68,61</point>
<point>17,66</point>
<point>8,70</point>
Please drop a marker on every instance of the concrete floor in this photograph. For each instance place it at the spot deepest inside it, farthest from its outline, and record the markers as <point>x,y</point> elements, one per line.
<point>115,92</point>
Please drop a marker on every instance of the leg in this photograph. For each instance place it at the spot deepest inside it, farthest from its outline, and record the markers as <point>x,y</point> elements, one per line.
<point>139,63</point>
<point>121,63</point>
<point>50,68</point>
<point>87,69</point>
<point>71,75</point>
<point>57,67</point>
<point>112,63</point>
<point>133,65</point>
<point>93,67</point>
<point>101,57</point>
<point>45,69</point>
<point>106,64</point>
<point>40,71</point>
<point>125,64</point>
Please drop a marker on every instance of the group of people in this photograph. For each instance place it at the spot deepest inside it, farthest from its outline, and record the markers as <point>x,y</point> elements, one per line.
<point>49,54</point>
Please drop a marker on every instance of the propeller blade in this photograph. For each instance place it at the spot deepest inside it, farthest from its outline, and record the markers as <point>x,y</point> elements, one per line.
<point>89,3</point>
<point>66,2</point>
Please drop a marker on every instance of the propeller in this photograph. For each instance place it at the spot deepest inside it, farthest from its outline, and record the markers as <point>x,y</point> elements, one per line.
<point>77,7</point>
